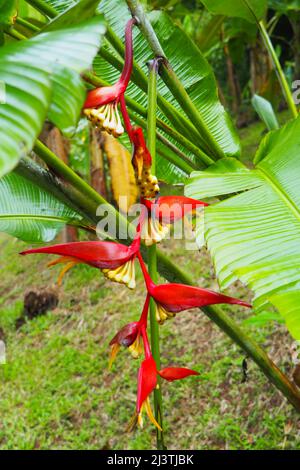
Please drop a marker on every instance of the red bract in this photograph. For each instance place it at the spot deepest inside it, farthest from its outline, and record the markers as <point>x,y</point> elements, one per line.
<point>169,209</point>
<point>173,298</point>
<point>162,212</point>
<point>176,373</point>
<point>141,162</point>
<point>147,381</point>
<point>101,105</point>
<point>130,336</point>
<point>116,261</point>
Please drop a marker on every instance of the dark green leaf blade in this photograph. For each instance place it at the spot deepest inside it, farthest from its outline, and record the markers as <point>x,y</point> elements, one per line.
<point>30,213</point>
<point>250,10</point>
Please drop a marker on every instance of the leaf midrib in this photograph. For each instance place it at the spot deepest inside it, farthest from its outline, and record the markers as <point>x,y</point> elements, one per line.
<point>281,192</point>
<point>33,217</point>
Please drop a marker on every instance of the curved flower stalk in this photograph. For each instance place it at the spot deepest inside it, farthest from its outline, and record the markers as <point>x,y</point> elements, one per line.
<point>164,211</point>
<point>115,260</point>
<point>173,298</point>
<point>101,105</point>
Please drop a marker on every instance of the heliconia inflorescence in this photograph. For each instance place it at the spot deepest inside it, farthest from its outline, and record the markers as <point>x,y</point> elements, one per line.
<point>117,261</point>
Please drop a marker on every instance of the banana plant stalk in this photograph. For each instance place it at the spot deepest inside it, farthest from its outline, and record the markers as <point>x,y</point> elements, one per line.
<point>152,255</point>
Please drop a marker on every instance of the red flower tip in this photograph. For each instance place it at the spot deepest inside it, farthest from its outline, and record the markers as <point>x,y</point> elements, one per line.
<point>103,95</point>
<point>176,373</point>
<point>127,335</point>
<point>173,298</point>
<point>101,103</point>
<point>147,381</point>
<point>114,259</point>
<point>168,209</point>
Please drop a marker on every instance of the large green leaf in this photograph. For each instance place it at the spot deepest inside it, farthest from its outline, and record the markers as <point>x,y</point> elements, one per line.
<point>76,13</point>
<point>30,213</point>
<point>255,236</point>
<point>37,72</point>
<point>247,9</point>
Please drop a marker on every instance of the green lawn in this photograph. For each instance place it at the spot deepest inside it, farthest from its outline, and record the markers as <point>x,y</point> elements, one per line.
<point>56,391</point>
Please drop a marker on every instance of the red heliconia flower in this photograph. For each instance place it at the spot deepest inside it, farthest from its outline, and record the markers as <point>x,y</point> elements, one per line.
<point>173,298</point>
<point>115,260</point>
<point>141,162</point>
<point>147,382</point>
<point>101,105</point>
<point>130,336</point>
<point>162,212</point>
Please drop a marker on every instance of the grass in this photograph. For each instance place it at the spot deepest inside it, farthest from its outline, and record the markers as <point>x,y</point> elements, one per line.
<point>56,391</point>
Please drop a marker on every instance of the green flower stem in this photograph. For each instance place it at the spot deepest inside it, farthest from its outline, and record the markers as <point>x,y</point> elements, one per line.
<point>281,76</point>
<point>65,183</point>
<point>152,254</point>
<point>43,7</point>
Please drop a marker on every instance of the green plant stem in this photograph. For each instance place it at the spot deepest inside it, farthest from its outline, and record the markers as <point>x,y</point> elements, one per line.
<point>43,7</point>
<point>152,254</point>
<point>281,76</point>
<point>13,33</point>
<point>81,196</point>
